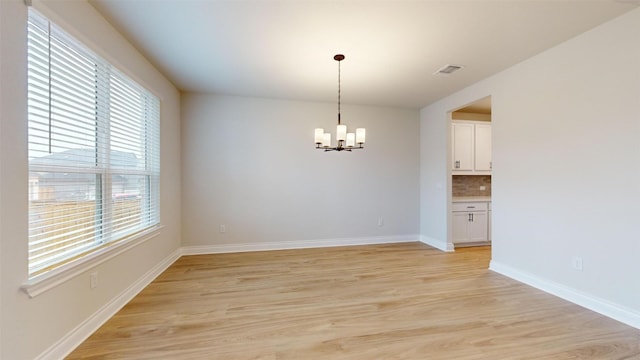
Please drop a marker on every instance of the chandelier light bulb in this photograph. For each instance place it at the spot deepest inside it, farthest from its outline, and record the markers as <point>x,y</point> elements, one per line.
<point>319,136</point>
<point>341,133</point>
<point>326,140</point>
<point>351,140</point>
<point>360,135</point>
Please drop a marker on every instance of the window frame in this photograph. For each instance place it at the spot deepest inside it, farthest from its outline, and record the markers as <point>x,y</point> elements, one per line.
<point>111,244</point>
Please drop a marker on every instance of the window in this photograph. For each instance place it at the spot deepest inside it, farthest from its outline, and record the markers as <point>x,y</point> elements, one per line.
<point>94,153</point>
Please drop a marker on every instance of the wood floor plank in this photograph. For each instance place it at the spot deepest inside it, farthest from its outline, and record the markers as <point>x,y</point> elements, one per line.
<point>397,301</point>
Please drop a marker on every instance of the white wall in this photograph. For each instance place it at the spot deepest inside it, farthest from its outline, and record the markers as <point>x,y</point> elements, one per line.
<point>3,34</point>
<point>250,164</point>
<point>30,326</point>
<point>566,145</point>
<point>434,183</point>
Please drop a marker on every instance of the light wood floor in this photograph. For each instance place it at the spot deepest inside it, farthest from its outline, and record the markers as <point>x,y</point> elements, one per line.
<point>400,301</point>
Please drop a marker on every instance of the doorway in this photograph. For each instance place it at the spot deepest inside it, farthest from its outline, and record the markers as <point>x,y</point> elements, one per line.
<point>470,175</point>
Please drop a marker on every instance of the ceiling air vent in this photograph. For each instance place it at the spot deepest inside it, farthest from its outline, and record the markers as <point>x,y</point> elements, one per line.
<point>448,69</point>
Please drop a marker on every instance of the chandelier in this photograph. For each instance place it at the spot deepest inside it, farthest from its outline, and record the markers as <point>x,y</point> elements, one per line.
<point>345,141</point>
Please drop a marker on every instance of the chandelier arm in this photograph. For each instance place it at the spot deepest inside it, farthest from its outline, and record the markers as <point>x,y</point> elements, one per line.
<point>339,148</point>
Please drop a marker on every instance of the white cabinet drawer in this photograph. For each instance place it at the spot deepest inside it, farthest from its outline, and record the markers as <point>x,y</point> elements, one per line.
<point>469,206</point>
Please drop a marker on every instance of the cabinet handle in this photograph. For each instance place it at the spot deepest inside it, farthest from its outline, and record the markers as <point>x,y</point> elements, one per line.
<point>471,217</point>
<point>471,207</point>
<point>490,164</point>
<point>457,164</point>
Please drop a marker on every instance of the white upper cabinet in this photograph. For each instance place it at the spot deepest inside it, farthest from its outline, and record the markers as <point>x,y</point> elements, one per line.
<point>462,140</point>
<point>471,148</point>
<point>483,147</point>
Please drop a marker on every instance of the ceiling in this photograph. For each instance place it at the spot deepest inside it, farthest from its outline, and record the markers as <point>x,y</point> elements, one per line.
<point>284,48</point>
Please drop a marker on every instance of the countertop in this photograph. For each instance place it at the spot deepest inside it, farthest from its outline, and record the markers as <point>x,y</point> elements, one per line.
<point>471,199</point>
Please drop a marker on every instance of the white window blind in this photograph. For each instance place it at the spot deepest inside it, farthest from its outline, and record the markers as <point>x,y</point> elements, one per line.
<point>94,150</point>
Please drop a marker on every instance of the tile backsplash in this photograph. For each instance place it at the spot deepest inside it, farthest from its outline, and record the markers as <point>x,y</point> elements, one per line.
<point>469,185</point>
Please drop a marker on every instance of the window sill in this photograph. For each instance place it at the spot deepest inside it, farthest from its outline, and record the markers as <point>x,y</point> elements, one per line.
<point>49,280</point>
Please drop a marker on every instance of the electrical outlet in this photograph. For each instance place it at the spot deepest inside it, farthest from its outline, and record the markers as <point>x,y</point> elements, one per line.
<point>577,263</point>
<point>93,280</point>
<point>223,229</point>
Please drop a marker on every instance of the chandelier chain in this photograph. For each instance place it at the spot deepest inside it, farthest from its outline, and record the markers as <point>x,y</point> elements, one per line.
<point>339,91</point>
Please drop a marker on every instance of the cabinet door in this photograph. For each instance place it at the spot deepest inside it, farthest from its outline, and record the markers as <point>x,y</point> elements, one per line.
<point>462,143</point>
<point>478,226</point>
<point>483,147</point>
<point>460,227</point>
<point>489,225</point>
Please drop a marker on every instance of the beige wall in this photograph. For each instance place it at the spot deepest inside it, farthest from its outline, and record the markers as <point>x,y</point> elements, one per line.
<point>30,326</point>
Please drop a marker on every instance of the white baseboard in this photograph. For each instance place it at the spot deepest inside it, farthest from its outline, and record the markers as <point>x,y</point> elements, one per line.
<point>81,332</point>
<point>288,245</point>
<point>438,244</point>
<point>617,312</point>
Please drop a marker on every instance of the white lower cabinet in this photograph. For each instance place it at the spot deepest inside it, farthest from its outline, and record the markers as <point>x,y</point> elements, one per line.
<point>489,223</point>
<point>470,222</point>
